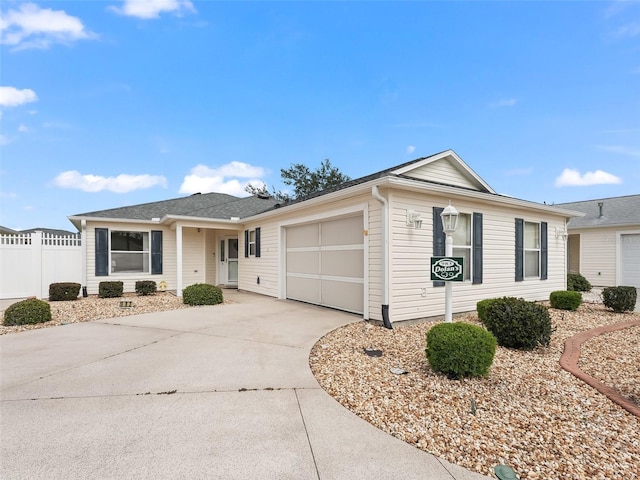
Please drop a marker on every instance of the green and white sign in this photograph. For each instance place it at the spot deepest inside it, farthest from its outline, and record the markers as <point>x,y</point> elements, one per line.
<point>447,269</point>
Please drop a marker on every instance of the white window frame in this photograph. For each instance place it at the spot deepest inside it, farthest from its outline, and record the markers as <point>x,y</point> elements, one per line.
<point>538,249</point>
<point>252,243</point>
<point>146,252</point>
<point>468,273</point>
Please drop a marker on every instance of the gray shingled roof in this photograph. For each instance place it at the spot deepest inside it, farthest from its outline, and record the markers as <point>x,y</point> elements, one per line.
<point>615,211</point>
<point>208,205</point>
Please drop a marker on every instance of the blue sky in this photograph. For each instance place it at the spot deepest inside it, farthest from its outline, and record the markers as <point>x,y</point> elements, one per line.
<point>112,103</point>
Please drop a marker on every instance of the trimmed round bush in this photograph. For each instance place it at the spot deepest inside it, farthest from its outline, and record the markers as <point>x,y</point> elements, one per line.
<point>202,294</point>
<point>565,300</point>
<point>518,324</point>
<point>110,289</point>
<point>481,307</point>
<point>620,299</point>
<point>63,291</point>
<point>577,283</point>
<point>27,312</point>
<point>146,287</point>
<point>460,349</point>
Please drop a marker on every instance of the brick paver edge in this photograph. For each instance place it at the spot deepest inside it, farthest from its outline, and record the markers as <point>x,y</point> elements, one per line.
<point>571,355</point>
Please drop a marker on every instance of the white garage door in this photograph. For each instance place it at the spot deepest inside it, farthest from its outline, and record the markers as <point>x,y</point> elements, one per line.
<point>325,263</point>
<point>630,256</point>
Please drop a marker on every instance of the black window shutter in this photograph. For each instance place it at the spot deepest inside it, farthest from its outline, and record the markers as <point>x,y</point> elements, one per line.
<point>102,252</point>
<point>438,238</point>
<point>477,248</point>
<point>519,249</point>
<point>544,251</point>
<point>246,243</point>
<point>257,241</point>
<point>156,252</point>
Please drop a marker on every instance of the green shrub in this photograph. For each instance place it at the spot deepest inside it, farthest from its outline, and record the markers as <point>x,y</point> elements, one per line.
<point>481,307</point>
<point>202,294</point>
<point>146,287</point>
<point>565,300</point>
<point>110,289</point>
<point>577,283</point>
<point>519,324</point>
<point>27,312</point>
<point>63,291</point>
<point>620,299</point>
<point>460,349</point>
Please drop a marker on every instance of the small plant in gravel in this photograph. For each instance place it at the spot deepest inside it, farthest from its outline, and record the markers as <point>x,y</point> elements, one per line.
<point>146,287</point>
<point>202,294</point>
<point>460,349</point>
<point>519,324</point>
<point>565,300</point>
<point>27,312</point>
<point>620,299</point>
<point>577,283</point>
<point>110,289</point>
<point>63,291</point>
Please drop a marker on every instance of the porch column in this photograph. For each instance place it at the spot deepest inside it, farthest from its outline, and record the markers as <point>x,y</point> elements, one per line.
<point>179,260</point>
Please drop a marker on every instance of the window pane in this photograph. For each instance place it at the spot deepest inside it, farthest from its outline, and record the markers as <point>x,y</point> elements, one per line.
<point>129,262</point>
<point>465,253</point>
<point>129,241</point>
<point>233,248</point>
<point>462,235</point>
<point>531,235</point>
<point>531,264</point>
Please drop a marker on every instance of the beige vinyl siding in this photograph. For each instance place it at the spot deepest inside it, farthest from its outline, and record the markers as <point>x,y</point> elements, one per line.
<point>442,171</point>
<point>598,257</point>
<point>412,248</point>
<point>210,259</point>
<point>129,279</point>
<point>193,249</point>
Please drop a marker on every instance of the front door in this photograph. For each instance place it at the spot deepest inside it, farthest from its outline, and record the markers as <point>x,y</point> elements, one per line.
<point>229,261</point>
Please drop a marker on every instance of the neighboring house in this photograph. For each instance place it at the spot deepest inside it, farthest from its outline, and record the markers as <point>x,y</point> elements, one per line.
<point>356,247</point>
<point>7,231</point>
<point>49,231</point>
<point>604,244</point>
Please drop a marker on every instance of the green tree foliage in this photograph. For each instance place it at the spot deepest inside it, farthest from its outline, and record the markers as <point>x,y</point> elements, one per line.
<point>304,181</point>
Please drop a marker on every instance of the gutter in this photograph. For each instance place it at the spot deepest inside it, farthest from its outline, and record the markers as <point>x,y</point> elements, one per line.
<point>385,255</point>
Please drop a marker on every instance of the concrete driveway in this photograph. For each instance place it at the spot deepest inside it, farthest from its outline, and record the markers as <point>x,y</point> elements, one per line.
<point>211,392</point>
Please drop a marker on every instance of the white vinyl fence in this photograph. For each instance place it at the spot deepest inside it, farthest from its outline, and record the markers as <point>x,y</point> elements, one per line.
<point>29,263</point>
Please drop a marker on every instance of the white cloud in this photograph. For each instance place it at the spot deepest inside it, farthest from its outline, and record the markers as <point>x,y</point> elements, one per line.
<point>148,9</point>
<point>23,128</point>
<point>505,102</point>
<point>35,27</point>
<point>573,178</point>
<point>223,179</point>
<point>622,150</point>
<point>411,149</point>
<point>4,140</point>
<point>12,97</point>
<point>629,30</point>
<point>123,183</point>
<point>8,195</point>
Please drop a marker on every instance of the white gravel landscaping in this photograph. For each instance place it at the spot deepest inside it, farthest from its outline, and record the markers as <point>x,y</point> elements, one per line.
<point>529,413</point>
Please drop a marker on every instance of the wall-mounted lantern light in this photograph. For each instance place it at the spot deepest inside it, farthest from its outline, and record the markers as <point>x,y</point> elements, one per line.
<point>414,219</point>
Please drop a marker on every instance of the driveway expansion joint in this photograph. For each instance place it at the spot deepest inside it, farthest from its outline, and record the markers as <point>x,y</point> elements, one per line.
<point>571,356</point>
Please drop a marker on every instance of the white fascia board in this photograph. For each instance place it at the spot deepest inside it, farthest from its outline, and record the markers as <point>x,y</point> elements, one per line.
<point>416,185</point>
<point>448,153</point>
<point>596,227</point>
<point>187,221</point>
<point>112,220</point>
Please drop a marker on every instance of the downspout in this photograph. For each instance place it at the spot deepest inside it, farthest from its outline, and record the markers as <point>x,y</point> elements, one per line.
<point>83,247</point>
<point>385,255</point>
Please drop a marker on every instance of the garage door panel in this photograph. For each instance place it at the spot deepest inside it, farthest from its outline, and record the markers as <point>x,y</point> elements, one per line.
<point>343,263</point>
<point>303,262</point>
<point>630,249</point>
<point>345,231</point>
<point>343,295</point>
<point>303,236</point>
<point>305,289</point>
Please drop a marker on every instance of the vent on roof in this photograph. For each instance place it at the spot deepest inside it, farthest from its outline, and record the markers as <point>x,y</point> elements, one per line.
<point>600,205</point>
<point>264,196</point>
<point>197,193</point>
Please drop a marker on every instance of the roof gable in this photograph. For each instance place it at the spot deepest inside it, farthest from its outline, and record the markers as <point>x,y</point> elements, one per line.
<point>446,168</point>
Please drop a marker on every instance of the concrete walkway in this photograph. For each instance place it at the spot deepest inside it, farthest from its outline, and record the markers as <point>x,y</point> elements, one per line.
<point>212,392</point>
